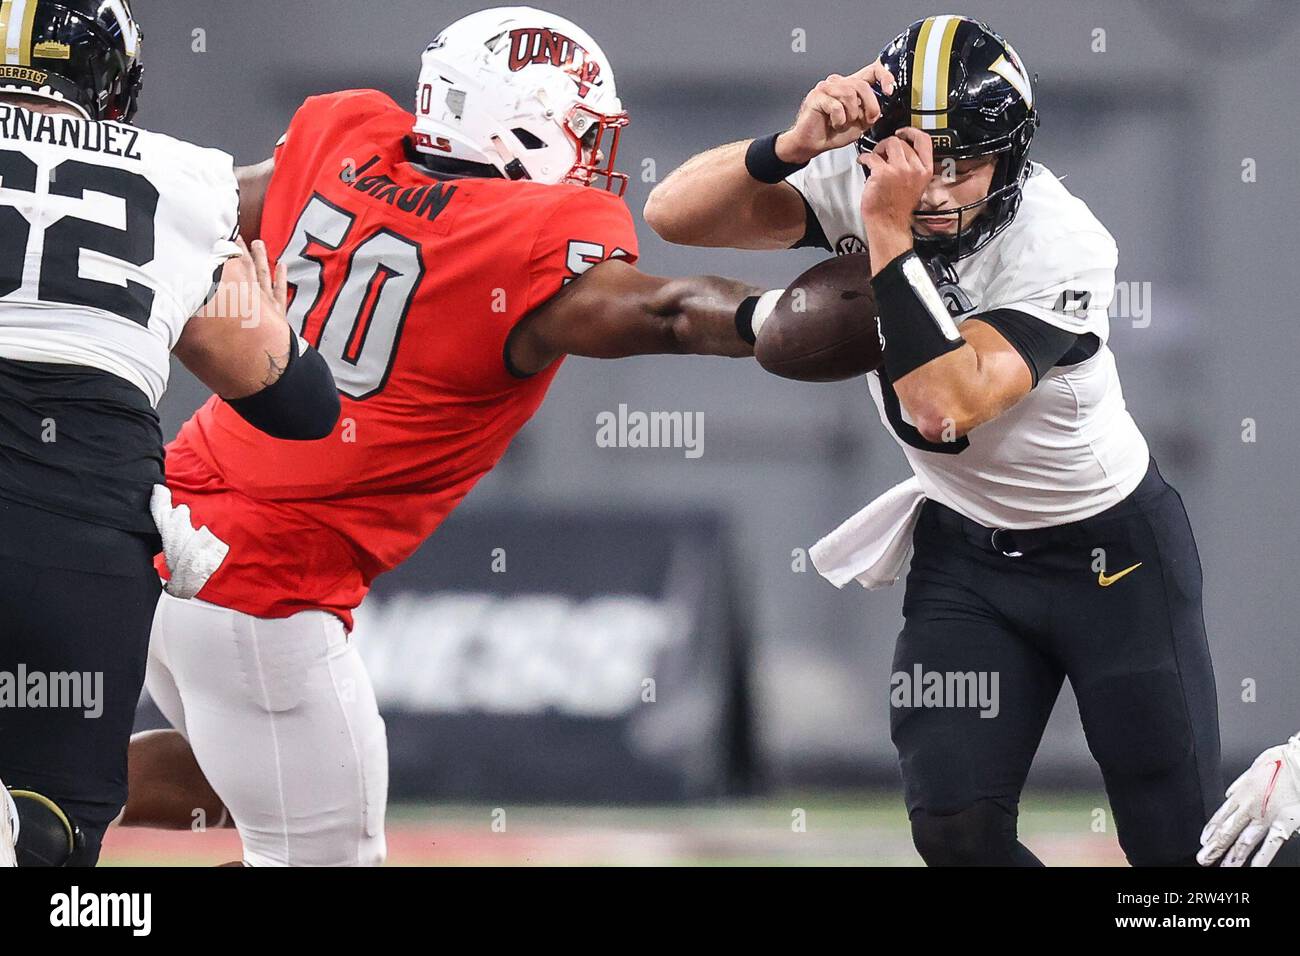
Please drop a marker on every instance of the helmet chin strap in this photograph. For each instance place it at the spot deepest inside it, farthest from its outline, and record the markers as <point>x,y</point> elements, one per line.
<point>510,164</point>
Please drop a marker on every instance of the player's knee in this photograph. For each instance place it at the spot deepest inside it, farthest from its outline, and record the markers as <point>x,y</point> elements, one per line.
<point>982,834</point>
<point>1137,724</point>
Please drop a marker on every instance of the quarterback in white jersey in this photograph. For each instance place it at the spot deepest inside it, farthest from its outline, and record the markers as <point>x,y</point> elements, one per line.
<point>1069,449</point>
<point>118,248</point>
<point>1045,544</point>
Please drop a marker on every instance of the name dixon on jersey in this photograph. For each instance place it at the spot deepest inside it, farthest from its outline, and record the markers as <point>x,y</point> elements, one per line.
<point>427,201</point>
<point>69,131</point>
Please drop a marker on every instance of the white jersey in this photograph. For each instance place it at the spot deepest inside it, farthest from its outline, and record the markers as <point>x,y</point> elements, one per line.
<point>110,239</point>
<point>1069,449</point>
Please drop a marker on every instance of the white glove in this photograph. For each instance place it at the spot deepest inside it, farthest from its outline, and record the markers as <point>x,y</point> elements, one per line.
<point>1262,810</point>
<point>192,556</point>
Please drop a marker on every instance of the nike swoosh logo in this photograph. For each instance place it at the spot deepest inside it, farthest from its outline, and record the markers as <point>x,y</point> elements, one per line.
<point>1268,792</point>
<point>1106,582</point>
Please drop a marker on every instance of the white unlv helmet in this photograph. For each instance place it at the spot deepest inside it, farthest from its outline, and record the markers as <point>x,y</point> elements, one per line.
<point>522,90</point>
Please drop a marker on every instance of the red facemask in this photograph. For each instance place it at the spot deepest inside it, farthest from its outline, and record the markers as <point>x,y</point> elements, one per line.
<point>593,163</point>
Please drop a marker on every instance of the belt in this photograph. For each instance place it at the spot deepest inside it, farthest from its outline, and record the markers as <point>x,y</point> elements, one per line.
<point>1016,543</point>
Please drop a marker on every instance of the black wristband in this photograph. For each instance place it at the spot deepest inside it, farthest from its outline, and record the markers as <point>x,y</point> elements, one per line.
<point>764,165</point>
<point>916,325</point>
<point>745,319</point>
<point>301,405</point>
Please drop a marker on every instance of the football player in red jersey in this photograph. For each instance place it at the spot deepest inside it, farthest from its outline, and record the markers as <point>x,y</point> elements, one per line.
<point>444,265</point>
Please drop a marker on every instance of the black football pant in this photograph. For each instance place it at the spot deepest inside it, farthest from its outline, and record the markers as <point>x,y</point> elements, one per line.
<point>76,607</point>
<point>1111,603</point>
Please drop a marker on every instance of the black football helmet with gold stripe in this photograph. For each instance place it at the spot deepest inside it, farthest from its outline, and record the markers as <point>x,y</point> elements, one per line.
<point>964,85</point>
<point>82,52</point>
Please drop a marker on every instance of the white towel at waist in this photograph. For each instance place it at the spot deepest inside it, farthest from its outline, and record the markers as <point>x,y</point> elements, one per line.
<point>874,544</point>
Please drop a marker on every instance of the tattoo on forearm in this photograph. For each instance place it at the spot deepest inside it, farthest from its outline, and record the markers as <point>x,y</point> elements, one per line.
<point>275,368</point>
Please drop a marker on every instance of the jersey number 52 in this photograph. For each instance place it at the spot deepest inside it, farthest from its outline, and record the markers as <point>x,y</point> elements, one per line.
<point>59,279</point>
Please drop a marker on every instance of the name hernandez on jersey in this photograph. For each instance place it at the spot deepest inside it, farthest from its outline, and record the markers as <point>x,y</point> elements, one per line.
<point>111,239</point>
<point>408,283</point>
<point>1069,449</point>
<point>111,139</point>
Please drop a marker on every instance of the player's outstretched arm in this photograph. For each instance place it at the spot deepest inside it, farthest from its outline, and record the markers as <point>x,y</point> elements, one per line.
<point>614,310</point>
<point>241,347</point>
<point>734,196</point>
<point>1261,812</point>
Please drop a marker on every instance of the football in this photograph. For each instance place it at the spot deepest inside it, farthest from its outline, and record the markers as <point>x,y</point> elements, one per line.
<point>824,328</point>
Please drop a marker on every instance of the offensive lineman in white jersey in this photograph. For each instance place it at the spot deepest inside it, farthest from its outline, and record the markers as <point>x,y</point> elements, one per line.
<point>1045,543</point>
<point>117,247</point>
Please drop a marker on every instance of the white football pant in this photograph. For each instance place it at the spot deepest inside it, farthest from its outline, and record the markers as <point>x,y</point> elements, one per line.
<point>281,715</point>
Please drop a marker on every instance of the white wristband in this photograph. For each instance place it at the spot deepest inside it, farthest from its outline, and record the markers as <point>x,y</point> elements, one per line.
<point>764,307</point>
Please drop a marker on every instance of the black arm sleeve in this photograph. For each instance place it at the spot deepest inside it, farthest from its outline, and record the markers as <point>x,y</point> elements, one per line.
<point>814,236</point>
<point>1041,345</point>
<point>301,405</point>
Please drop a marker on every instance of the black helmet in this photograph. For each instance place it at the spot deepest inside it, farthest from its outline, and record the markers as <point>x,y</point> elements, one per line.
<point>964,85</point>
<point>82,52</point>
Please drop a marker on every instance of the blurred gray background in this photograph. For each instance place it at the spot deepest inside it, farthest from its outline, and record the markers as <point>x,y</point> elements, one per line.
<point>1152,132</point>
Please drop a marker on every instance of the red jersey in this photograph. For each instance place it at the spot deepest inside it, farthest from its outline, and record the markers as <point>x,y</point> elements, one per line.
<point>408,284</point>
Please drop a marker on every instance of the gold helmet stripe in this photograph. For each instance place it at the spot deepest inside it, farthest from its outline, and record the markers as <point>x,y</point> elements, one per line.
<point>26,41</point>
<point>17,18</point>
<point>918,68</point>
<point>6,18</point>
<point>930,67</point>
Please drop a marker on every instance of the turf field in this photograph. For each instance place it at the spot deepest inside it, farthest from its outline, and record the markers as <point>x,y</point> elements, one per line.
<point>838,830</point>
